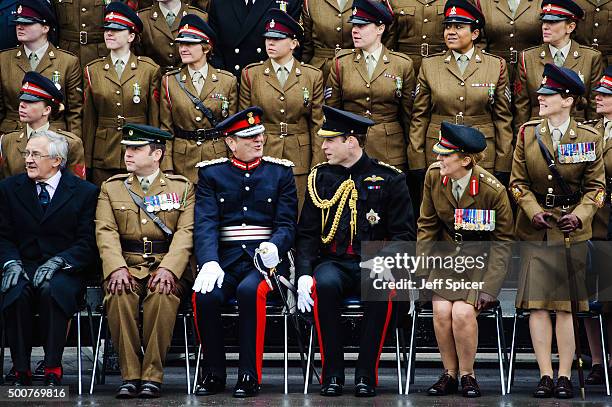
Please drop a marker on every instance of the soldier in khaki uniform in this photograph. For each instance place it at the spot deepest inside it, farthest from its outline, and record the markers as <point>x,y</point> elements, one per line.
<point>417,29</point>
<point>119,88</point>
<point>199,4</point>
<point>457,183</point>
<point>558,22</point>
<point>464,85</point>
<point>291,96</point>
<point>142,259</point>
<point>374,82</point>
<point>326,31</point>
<point>513,26</point>
<point>596,28</point>
<point>35,20</point>
<point>39,100</point>
<point>552,206</point>
<point>161,26</point>
<point>215,90</point>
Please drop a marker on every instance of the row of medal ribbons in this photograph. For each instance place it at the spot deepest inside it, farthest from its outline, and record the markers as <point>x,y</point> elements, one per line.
<point>475,219</point>
<point>162,202</point>
<point>576,153</point>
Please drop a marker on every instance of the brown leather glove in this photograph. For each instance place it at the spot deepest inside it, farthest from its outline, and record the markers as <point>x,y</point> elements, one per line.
<point>485,301</point>
<point>568,223</point>
<point>539,220</point>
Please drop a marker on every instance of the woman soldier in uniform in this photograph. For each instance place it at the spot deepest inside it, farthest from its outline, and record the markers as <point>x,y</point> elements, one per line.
<point>119,88</point>
<point>555,203</point>
<point>461,200</point>
<point>464,85</point>
<point>195,98</point>
<point>559,20</point>
<point>374,82</point>
<point>290,94</point>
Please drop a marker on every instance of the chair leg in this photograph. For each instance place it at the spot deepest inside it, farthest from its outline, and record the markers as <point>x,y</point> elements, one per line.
<point>197,369</point>
<point>512,354</point>
<point>502,379</point>
<point>286,355</point>
<point>604,352</point>
<point>308,360</point>
<point>92,336</point>
<point>402,338</point>
<point>411,354</point>
<point>80,356</point>
<point>186,354</point>
<point>95,356</point>
<point>399,363</point>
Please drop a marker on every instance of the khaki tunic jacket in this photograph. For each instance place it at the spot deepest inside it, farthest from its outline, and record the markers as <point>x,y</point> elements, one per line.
<point>119,218</point>
<point>350,88</point>
<point>437,218</point>
<point>110,103</point>
<point>13,66</point>
<point>444,94</point>
<point>12,145</point>
<point>601,219</point>
<point>530,174</point>
<point>157,39</point>
<point>585,61</point>
<point>596,28</point>
<point>297,105</point>
<point>326,31</point>
<point>177,110</point>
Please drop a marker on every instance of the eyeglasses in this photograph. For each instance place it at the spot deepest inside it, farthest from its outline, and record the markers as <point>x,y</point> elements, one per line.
<point>35,155</point>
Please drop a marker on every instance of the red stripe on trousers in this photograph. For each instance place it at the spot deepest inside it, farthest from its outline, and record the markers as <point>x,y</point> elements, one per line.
<point>315,297</point>
<point>392,294</point>
<point>260,303</point>
<point>195,316</point>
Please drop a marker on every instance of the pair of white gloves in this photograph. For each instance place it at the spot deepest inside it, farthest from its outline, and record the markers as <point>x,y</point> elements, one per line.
<point>212,274</point>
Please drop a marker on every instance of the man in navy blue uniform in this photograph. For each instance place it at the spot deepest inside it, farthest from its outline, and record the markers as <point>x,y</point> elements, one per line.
<point>373,205</point>
<point>46,242</point>
<point>243,204</point>
<point>8,9</point>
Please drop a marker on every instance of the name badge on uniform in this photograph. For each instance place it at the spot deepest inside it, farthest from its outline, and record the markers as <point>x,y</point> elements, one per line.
<point>576,153</point>
<point>136,93</point>
<point>55,78</point>
<point>475,219</point>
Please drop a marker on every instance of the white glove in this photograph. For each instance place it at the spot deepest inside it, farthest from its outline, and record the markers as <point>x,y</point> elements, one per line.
<point>210,273</point>
<point>269,254</point>
<point>305,301</point>
<point>376,273</point>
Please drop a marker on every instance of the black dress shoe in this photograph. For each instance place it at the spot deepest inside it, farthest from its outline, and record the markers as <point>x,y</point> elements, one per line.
<point>364,388</point>
<point>469,386</point>
<point>210,385</point>
<point>446,384</point>
<point>128,390</point>
<point>563,388</point>
<point>247,386</point>
<point>596,376</point>
<point>22,379</point>
<point>52,379</point>
<point>545,388</point>
<point>150,390</point>
<point>332,387</point>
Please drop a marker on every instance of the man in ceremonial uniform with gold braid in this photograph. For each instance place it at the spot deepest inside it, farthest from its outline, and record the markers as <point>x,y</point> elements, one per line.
<point>351,199</point>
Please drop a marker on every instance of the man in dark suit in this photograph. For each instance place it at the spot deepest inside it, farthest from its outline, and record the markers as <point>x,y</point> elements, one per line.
<point>240,26</point>
<point>46,241</point>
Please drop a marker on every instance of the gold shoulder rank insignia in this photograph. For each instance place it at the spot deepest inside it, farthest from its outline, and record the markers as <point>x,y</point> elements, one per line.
<point>390,166</point>
<point>374,178</point>
<point>281,161</point>
<point>211,162</point>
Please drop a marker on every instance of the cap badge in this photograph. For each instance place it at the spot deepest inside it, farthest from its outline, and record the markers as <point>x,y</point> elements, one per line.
<point>19,10</point>
<point>131,132</point>
<point>544,79</point>
<point>354,10</point>
<point>272,23</point>
<point>111,15</point>
<point>186,27</point>
<point>548,7</point>
<point>453,11</point>
<point>250,118</point>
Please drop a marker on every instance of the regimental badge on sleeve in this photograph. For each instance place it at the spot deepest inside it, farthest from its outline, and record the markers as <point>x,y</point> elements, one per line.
<point>600,197</point>
<point>516,192</point>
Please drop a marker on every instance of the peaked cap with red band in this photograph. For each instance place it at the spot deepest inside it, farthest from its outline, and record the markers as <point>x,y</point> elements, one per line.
<point>37,88</point>
<point>462,11</point>
<point>280,25</point>
<point>370,11</point>
<point>456,138</point>
<point>559,10</point>
<point>35,11</point>
<point>119,16</point>
<point>558,79</point>
<point>246,123</point>
<point>605,84</point>
<point>194,30</point>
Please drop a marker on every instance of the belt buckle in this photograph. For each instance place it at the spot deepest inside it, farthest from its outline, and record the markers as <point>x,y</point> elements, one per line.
<point>459,118</point>
<point>458,238</point>
<point>595,45</point>
<point>120,122</point>
<point>513,56</point>
<point>147,247</point>
<point>283,128</point>
<point>424,49</point>
<point>83,37</point>
<point>549,201</point>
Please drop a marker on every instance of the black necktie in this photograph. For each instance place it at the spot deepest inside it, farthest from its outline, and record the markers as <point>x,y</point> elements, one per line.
<point>43,197</point>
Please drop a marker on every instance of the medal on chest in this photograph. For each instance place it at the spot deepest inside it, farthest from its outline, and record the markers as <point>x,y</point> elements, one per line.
<point>136,93</point>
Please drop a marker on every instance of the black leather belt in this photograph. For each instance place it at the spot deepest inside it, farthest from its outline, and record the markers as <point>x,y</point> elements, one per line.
<point>145,247</point>
<point>197,135</point>
<point>462,235</point>
<point>553,201</point>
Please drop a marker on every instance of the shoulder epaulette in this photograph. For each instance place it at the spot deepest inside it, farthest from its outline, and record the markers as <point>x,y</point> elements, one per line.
<point>226,73</point>
<point>533,122</point>
<point>64,51</point>
<point>176,177</point>
<point>488,179</point>
<point>588,128</point>
<point>249,66</point>
<point>532,48</point>
<point>434,165</point>
<point>173,72</point>
<point>95,61</point>
<point>435,54</point>
<point>319,165</point>
<point>280,161</point>
<point>345,52</point>
<point>147,60</point>
<point>211,162</point>
<point>305,65</point>
<point>589,122</point>
<point>144,9</point>
<point>400,54</point>
<point>491,55</point>
<point>384,164</point>
<point>118,176</point>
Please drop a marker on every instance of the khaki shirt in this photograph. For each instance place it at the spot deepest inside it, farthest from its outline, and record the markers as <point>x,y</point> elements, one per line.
<point>58,65</point>
<point>119,218</point>
<point>386,98</point>
<point>297,105</point>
